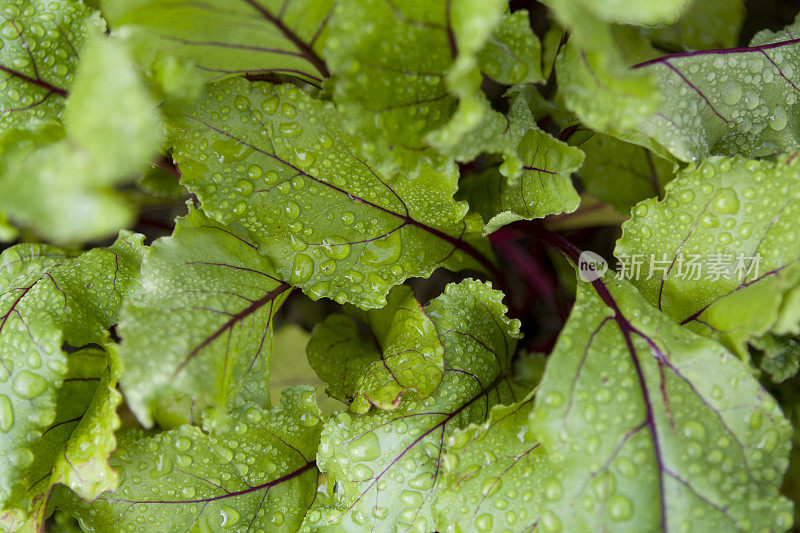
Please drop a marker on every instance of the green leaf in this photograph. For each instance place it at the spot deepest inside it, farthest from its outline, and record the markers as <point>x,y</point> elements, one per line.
<point>705,24</point>
<point>59,180</point>
<point>493,474</point>
<point>280,165</point>
<point>202,327</point>
<point>118,135</point>
<point>722,246</point>
<point>728,102</point>
<point>258,474</point>
<point>539,187</point>
<point>622,174</point>
<point>382,466</point>
<point>74,449</point>
<point>513,54</point>
<point>48,299</point>
<point>407,75</point>
<point>208,41</point>
<point>40,41</point>
<point>594,78</point>
<point>651,427</point>
<point>403,354</point>
<point>781,356</point>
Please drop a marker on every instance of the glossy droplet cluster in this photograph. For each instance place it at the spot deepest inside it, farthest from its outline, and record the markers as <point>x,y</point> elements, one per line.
<point>494,475</point>
<point>255,475</point>
<point>723,207</point>
<point>201,329</point>
<point>385,463</point>
<point>739,102</point>
<point>279,163</point>
<point>48,298</point>
<point>41,43</point>
<point>615,420</point>
<point>392,62</point>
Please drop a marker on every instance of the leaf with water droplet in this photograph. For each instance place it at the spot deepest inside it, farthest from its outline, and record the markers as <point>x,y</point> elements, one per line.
<point>408,76</point>
<point>48,298</point>
<point>180,44</point>
<point>724,247</point>
<point>74,449</point>
<point>272,493</point>
<point>402,355</point>
<point>382,466</point>
<point>647,423</point>
<point>513,54</point>
<point>541,185</point>
<point>594,78</point>
<point>400,227</point>
<point>59,180</point>
<point>728,102</point>
<point>508,488</point>
<point>34,80</point>
<point>202,326</point>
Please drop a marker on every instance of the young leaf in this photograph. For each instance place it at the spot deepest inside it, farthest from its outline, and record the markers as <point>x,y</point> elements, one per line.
<point>202,327</point>
<point>721,245</point>
<point>221,38</point>
<point>534,184</point>
<point>280,164</point>
<point>404,354</point>
<point>513,54</point>
<point>47,299</point>
<point>259,474</point>
<point>493,474</point>
<point>74,449</point>
<point>40,41</point>
<point>643,436</point>
<point>401,70</point>
<point>594,79</point>
<point>727,102</point>
<point>544,188</point>
<point>781,358</point>
<point>621,173</point>
<point>384,464</point>
<point>60,181</point>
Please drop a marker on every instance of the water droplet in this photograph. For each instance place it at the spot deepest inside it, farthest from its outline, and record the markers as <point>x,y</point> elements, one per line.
<point>302,269</point>
<point>383,251</point>
<point>621,508</point>
<point>29,385</point>
<point>778,119</point>
<point>484,522</point>
<point>241,103</point>
<point>228,517</point>
<point>726,201</point>
<point>6,414</point>
<point>244,187</point>
<point>336,247</point>
<point>291,209</point>
<point>365,448</point>
<point>731,93</point>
